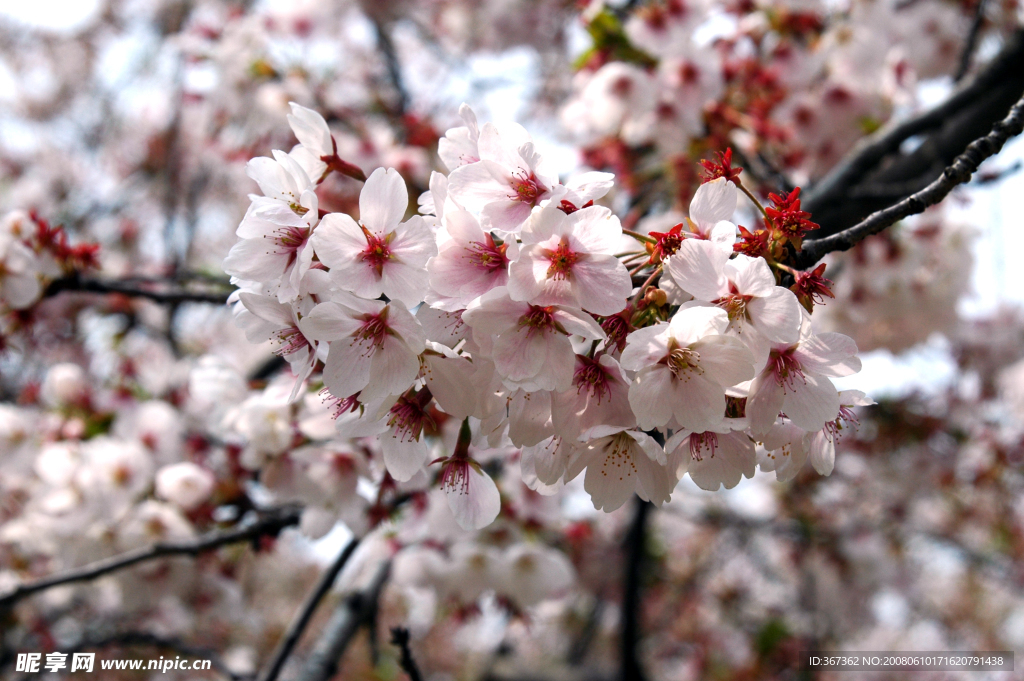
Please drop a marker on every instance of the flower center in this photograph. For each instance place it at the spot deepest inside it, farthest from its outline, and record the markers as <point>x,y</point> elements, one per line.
<point>681,361</point>
<point>562,259</point>
<point>341,405</point>
<point>374,330</point>
<point>526,187</point>
<point>455,476</point>
<point>703,441</point>
<point>591,377</point>
<point>406,418</point>
<point>539,319</point>
<point>785,367</point>
<point>292,340</point>
<point>377,251</point>
<point>734,304</point>
<point>291,238</point>
<point>485,255</point>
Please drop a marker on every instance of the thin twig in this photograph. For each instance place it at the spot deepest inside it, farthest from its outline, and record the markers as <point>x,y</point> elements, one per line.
<point>400,638</point>
<point>299,624</point>
<point>961,171</point>
<point>342,627</point>
<point>972,41</point>
<point>270,525</point>
<point>168,293</point>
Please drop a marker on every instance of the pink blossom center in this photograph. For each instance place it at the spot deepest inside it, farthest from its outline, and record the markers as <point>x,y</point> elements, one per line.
<point>734,304</point>
<point>785,367</point>
<point>591,377</point>
<point>406,419</point>
<point>290,238</point>
<point>832,428</point>
<point>699,442</point>
<point>562,260</point>
<point>485,255</point>
<point>340,405</point>
<point>292,340</point>
<point>539,319</point>
<point>377,251</point>
<point>374,329</point>
<point>526,187</point>
<point>682,361</point>
<point>455,476</point>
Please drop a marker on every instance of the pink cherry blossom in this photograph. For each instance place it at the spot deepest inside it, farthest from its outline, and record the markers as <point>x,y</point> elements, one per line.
<point>599,396</point>
<point>469,262</point>
<point>621,463</point>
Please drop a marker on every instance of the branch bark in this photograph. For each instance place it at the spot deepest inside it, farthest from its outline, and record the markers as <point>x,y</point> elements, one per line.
<point>270,525</point>
<point>351,613</point>
<point>635,550</point>
<point>877,162</point>
<point>959,172</point>
<point>291,637</point>
<point>400,638</point>
<point>171,294</point>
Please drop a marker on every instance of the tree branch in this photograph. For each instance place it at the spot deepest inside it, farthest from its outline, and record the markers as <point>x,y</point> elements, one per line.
<point>342,627</point>
<point>394,67</point>
<point>270,525</point>
<point>291,637</point>
<point>971,42</point>
<point>172,294</point>
<point>635,550</point>
<point>959,172</point>
<point>968,114</point>
<point>400,638</point>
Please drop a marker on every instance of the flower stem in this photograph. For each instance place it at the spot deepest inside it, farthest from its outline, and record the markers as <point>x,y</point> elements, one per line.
<point>753,198</point>
<point>650,280</point>
<point>642,237</point>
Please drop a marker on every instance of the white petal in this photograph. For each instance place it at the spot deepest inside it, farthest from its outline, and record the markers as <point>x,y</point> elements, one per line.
<point>477,506</point>
<point>713,202</point>
<point>699,268</point>
<point>383,201</point>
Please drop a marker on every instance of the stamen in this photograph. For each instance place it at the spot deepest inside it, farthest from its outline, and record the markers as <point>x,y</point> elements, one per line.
<point>702,441</point>
<point>562,259</point>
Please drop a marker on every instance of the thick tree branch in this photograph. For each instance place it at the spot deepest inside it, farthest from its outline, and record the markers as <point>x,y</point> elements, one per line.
<point>351,614</point>
<point>170,292</point>
<point>400,638</point>
<point>971,42</point>
<point>959,172</point>
<point>968,114</point>
<point>299,624</point>
<point>270,525</point>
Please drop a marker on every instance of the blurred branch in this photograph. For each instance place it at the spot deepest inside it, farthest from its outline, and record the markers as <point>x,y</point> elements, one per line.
<point>351,613</point>
<point>632,601</point>
<point>961,171</point>
<point>173,293</point>
<point>291,637</point>
<point>971,42</point>
<point>270,525</point>
<point>394,67</point>
<point>968,114</point>
<point>400,638</point>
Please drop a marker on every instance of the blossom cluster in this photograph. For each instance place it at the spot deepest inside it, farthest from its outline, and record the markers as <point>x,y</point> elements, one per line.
<point>515,303</point>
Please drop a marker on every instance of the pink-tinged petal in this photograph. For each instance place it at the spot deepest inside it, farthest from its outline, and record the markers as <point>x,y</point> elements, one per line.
<point>413,243</point>
<point>693,322</point>
<point>543,224</point>
<point>520,353</point>
<point>494,312</point>
<point>786,450</point>
<point>829,354</point>
<point>267,308</point>
<point>474,186</point>
<point>855,398</point>
<point>383,201</point>
<point>578,322</point>
<point>611,473</point>
<point>256,260</point>
<point>648,446</point>
<point>697,403</point>
<point>338,241</point>
<point>528,417</point>
<point>505,215</point>
<point>723,235</point>
<point>645,346</point>
<point>405,325</point>
<point>811,402</point>
<point>777,316</point>
<point>548,460</point>
<point>347,370</point>
<point>595,230</point>
<point>751,276</point>
<point>265,215</point>
<point>329,321</point>
<point>657,481</point>
<point>310,129</point>
<point>451,381</point>
<point>725,360</point>
<point>557,370</point>
<point>446,328</point>
<point>601,284</point>
<point>500,143</point>
<point>698,267</point>
<point>823,452</point>
<point>732,458</point>
<point>713,202</point>
<point>404,283</point>
<point>393,369</point>
<point>477,505</point>
<point>527,280</point>
<point>650,396</point>
<point>764,403</point>
<point>275,182</point>
<point>404,458</point>
<point>462,227</point>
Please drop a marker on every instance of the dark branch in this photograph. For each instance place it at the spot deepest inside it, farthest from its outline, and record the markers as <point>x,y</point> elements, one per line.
<point>171,293</point>
<point>635,550</point>
<point>963,167</point>
<point>270,525</point>
<point>971,42</point>
<point>352,613</point>
<point>967,115</point>
<point>299,624</point>
<point>400,638</point>
<point>394,67</point>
